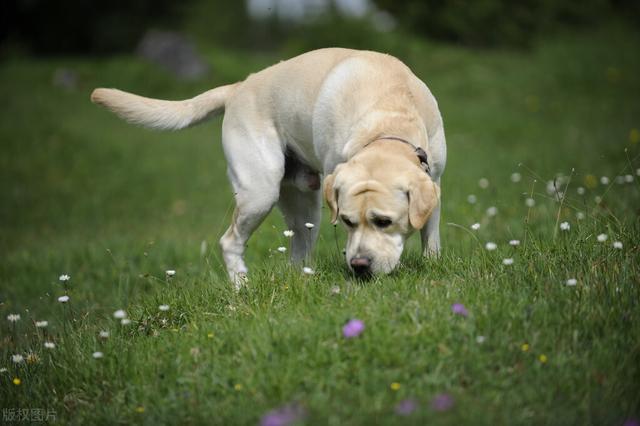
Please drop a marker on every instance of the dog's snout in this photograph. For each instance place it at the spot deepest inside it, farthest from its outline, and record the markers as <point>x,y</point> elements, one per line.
<point>361,265</point>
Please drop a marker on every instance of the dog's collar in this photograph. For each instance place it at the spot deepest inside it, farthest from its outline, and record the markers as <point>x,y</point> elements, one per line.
<point>420,153</point>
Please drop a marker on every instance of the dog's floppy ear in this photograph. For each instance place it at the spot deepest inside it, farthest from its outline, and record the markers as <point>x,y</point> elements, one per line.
<point>424,196</point>
<point>331,195</point>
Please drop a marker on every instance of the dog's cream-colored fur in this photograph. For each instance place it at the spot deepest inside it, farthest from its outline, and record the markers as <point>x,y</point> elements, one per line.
<point>331,109</point>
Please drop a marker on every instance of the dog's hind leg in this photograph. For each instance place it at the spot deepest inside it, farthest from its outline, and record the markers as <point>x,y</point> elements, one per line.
<point>300,208</point>
<point>255,169</point>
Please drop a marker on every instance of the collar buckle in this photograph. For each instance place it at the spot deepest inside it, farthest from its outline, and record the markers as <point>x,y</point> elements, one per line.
<point>424,161</point>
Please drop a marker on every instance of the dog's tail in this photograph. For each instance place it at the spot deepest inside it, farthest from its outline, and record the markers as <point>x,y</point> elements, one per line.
<point>160,114</point>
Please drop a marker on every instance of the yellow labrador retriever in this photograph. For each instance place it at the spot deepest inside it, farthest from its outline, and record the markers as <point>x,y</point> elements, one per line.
<point>362,119</point>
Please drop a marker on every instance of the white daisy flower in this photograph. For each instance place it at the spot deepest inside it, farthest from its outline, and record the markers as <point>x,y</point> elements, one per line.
<point>565,226</point>
<point>42,324</point>
<point>282,249</point>
<point>492,211</point>
<point>491,246</point>
<point>514,243</point>
<point>309,225</point>
<point>551,187</point>
<point>119,314</point>
<point>597,199</point>
<point>602,238</point>
<point>3,370</point>
<point>572,282</point>
<point>561,179</point>
<point>49,345</point>
<point>637,172</point>
<point>480,339</point>
<point>617,245</point>
<point>335,290</point>
<point>308,270</point>
<point>604,180</point>
<point>64,277</point>
<point>580,215</point>
<point>13,317</point>
<point>581,190</point>
<point>628,178</point>
<point>475,226</point>
<point>97,355</point>
<point>530,202</point>
<point>125,321</point>
<point>471,199</point>
<point>288,233</point>
<point>163,308</point>
<point>508,261</point>
<point>104,334</point>
<point>515,177</point>
<point>17,358</point>
<point>170,273</point>
<point>63,299</point>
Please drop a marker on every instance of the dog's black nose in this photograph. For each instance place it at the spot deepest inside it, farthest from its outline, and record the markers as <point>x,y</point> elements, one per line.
<point>361,266</point>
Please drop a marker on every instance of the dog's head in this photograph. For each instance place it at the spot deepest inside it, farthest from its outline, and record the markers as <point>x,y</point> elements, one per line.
<point>380,201</point>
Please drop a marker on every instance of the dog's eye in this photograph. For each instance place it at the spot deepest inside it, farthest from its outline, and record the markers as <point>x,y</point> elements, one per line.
<point>381,222</point>
<point>347,221</point>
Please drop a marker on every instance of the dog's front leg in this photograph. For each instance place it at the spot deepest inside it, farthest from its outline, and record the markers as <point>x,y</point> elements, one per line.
<point>430,233</point>
<point>301,208</point>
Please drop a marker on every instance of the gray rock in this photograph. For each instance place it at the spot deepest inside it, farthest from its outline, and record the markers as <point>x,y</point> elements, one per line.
<point>65,78</point>
<point>173,52</point>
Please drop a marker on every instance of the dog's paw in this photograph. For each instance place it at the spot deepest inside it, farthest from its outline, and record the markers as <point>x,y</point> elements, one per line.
<point>239,280</point>
<point>431,252</point>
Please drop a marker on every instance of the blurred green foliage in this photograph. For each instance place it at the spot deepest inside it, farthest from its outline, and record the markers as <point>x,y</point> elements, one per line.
<point>499,22</point>
<point>108,26</point>
<point>230,26</point>
<point>83,26</point>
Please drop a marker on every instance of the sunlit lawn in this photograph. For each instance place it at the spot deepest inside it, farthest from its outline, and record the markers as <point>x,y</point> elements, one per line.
<point>551,336</point>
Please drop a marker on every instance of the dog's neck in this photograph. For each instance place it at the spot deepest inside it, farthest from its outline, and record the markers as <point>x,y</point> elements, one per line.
<point>391,116</point>
<point>419,154</point>
<point>383,155</point>
<point>392,146</point>
<point>400,122</point>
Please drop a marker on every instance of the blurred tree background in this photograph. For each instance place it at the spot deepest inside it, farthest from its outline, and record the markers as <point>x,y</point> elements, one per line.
<point>493,23</point>
<point>83,26</point>
<point>113,26</point>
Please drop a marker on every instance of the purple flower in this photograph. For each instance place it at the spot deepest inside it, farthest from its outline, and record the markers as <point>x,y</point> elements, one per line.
<point>442,402</point>
<point>459,309</point>
<point>283,416</point>
<point>353,328</point>
<point>631,422</point>
<point>406,407</point>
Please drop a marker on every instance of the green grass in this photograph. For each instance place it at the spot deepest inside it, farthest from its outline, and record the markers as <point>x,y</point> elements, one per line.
<point>115,206</point>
